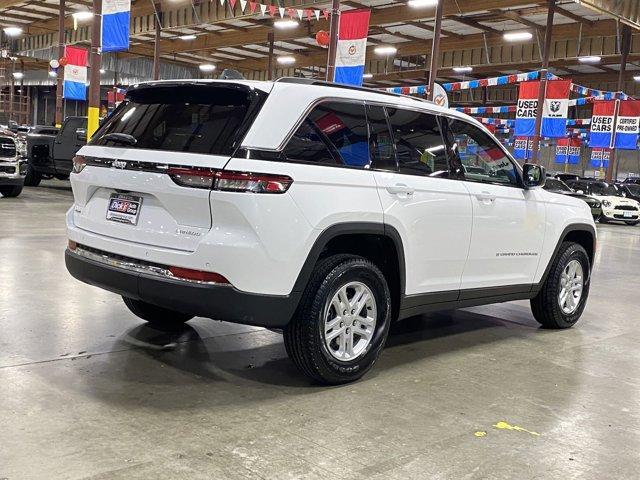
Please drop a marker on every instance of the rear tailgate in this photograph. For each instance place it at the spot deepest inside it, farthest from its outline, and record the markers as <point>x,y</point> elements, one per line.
<point>127,191</point>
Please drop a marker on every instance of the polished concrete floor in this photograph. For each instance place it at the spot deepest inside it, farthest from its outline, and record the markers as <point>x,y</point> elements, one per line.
<point>88,391</point>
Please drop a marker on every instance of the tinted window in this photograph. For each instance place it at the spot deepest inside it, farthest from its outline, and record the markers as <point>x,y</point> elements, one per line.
<point>420,148</point>
<point>482,158</point>
<point>336,132</point>
<point>381,143</point>
<point>71,125</point>
<point>185,118</point>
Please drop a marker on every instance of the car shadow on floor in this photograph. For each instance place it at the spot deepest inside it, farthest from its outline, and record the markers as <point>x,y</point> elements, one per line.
<point>259,356</point>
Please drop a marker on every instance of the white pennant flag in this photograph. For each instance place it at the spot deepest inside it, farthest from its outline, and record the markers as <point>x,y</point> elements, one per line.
<point>300,14</point>
<point>243,4</point>
<point>281,10</point>
<point>317,14</point>
<point>263,9</point>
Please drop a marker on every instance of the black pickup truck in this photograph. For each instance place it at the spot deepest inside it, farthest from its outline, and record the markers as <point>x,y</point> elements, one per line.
<point>50,152</point>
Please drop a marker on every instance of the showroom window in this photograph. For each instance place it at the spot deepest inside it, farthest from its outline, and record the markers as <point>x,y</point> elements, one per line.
<point>420,148</point>
<point>383,156</point>
<point>482,158</point>
<point>334,132</point>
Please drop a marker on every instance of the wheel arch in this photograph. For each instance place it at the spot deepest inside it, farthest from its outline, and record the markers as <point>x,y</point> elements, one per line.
<point>580,233</point>
<point>380,243</point>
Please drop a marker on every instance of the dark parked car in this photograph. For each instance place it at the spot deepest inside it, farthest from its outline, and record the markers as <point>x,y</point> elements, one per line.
<point>630,190</point>
<point>558,186</point>
<point>632,181</point>
<point>50,151</point>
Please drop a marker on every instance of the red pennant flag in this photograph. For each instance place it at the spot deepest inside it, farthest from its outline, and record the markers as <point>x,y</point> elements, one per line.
<point>272,10</point>
<point>309,14</point>
<point>233,4</point>
<point>325,14</point>
<point>253,6</point>
<point>291,12</point>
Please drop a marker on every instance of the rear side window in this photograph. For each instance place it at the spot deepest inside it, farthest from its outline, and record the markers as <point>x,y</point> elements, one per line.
<point>202,118</point>
<point>420,148</point>
<point>333,133</point>
<point>71,125</point>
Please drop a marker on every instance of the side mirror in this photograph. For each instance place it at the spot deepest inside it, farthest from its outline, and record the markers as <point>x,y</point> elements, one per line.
<point>81,135</point>
<point>533,175</point>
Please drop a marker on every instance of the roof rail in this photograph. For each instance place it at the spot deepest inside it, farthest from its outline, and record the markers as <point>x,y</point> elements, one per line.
<point>324,83</point>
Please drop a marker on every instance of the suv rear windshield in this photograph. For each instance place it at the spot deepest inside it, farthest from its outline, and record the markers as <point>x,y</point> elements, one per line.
<point>196,118</point>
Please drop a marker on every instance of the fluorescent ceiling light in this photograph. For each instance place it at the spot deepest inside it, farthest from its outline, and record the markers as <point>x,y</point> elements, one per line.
<point>286,60</point>
<point>13,31</point>
<point>191,36</point>
<point>102,70</point>
<point>18,75</point>
<point>463,69</point>
<point>367,75</point>
<point>52,73</point>
<point>207,67</point>
<point>590,59</point>
<point>385,50</point>
<point>517,36</point>
<point>285,24</point>
<point>82,15</point>
<point>422,3</point>
<point>637,78</point>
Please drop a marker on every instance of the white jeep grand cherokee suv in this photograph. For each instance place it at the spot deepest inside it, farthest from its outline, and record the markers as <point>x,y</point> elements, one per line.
<point>325,211</point>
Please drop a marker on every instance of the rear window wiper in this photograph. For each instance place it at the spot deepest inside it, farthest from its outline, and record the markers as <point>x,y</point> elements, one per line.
<point>120,138</point>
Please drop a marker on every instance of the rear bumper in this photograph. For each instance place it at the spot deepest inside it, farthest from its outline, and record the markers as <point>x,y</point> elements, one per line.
<point>218,302</point>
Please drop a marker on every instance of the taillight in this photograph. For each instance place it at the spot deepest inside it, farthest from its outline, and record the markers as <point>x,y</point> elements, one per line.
<point>251,182</point>
<point>197,275</point>
<point>229,181</point>
<point>79,162</point>
<point>192,177</point>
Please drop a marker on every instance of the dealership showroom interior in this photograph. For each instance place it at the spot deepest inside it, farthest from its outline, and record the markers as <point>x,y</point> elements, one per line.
<point>319,239</point>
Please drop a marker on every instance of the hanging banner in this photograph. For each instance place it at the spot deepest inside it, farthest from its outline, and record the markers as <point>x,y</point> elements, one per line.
<point>522,147</point>
<point>75,74</point>
<point>602,123</point>
<point>526,109</point>
<point>555,109</point>
<point>600,157</point>
<point>628,125</point>
<point>568,151</point>
<point>352,46</point>
<point>115,25</point>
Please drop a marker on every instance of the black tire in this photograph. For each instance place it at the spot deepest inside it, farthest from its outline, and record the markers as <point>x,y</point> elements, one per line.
<point>33,177</point>
<point>162,317</point>
<point>603,219</point>
<point>61,177</point>
<point>304,336</point>
<point>632,224</point>
<point>10,190</point>
<point>545,305</point>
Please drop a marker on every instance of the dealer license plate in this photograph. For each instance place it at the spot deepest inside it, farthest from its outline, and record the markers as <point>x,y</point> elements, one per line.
<point>628,214</point>
<point>124,208</point>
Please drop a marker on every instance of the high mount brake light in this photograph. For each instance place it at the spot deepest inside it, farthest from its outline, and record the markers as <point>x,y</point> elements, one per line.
<point>251,182</point>
<point>229,181</point>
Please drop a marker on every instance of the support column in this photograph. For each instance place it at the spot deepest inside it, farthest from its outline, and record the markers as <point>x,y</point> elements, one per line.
<point>12,87</point>
<point>156,44</point>
<point>93,114</point>
<point>625,48</point>
<point>270,65</point>
<point>435,49</point>
<point>60,78</point>
<point>333,40</point>
<point>535,148</point>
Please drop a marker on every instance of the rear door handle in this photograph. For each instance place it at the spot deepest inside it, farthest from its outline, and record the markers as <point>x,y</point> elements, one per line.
<point>400,188</point>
